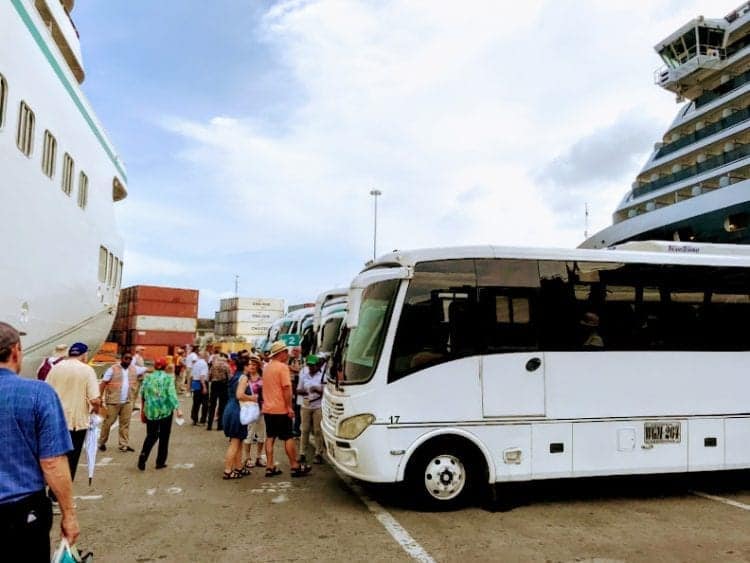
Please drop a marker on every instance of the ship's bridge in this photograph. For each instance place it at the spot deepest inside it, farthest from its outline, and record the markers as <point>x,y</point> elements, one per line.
<point>690,54</point>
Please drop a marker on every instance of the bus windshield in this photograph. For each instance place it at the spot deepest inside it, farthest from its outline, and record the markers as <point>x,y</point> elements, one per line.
<point>329,334</point>
<point>365,341</point>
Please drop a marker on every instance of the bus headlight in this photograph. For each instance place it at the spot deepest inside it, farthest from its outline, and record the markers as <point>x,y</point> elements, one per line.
<point>351,427</point>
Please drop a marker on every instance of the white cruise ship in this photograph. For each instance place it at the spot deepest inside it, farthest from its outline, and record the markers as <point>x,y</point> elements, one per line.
<point>59,179</point>
<point>696,186</point>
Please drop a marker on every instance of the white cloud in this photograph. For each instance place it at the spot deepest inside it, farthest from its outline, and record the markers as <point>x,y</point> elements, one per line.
<point>454,110</point>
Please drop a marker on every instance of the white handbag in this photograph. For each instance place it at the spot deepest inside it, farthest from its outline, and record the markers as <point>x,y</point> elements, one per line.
<point>249,412</point>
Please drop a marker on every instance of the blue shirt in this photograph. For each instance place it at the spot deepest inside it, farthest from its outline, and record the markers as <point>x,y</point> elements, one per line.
<point>32,427</point>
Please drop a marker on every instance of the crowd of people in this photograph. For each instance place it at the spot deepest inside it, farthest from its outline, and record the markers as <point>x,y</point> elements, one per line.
<point>287,390</point>
<point>46,421</point>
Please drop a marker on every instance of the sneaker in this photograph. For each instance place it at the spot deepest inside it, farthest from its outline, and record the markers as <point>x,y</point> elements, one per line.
<point>126,449</point>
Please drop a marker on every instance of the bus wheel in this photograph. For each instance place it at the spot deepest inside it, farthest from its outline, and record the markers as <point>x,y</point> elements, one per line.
<point>441,474</point>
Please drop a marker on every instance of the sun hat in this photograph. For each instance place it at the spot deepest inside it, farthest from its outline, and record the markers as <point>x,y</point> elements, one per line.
<point>590,319</point>
<point>255,358</point>
<point>160,363</point>
<point>277,347</point>
<point>312,360</point>
<point>77,349</point>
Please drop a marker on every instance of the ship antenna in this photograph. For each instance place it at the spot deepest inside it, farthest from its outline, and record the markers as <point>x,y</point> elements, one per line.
<point>586,220</point>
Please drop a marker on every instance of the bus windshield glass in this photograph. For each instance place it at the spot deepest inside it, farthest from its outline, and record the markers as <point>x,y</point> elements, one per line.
<point>364,342</point>
<point>330,333</point>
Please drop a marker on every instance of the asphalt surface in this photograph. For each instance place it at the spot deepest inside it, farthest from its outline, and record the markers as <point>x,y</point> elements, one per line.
<point>186,512</point>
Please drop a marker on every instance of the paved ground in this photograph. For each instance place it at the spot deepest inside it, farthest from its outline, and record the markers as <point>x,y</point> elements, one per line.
<point>186,512</point>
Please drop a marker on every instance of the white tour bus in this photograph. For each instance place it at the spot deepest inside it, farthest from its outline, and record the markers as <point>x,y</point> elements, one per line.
<point>461,367</point>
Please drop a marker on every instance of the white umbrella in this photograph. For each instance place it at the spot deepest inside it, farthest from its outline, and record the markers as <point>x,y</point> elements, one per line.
<point>91,443</point>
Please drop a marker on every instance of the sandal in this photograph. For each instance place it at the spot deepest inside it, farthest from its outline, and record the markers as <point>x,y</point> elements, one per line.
<point>234,474</point>
<point>244,471</point>
<point>301,471</point>
<point>273,471</point>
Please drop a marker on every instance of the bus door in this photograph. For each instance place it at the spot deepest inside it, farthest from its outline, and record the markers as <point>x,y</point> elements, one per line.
<point>512,367</point>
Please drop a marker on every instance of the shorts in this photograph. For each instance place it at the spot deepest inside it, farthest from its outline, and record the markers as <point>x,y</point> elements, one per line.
<point>279,426</point>
<point>256,432</point>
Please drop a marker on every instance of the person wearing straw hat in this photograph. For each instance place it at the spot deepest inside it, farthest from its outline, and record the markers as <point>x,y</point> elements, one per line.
<point>35,443</point>
<point>74,381</point>
<point>58,354</point>
<point>278,411</point>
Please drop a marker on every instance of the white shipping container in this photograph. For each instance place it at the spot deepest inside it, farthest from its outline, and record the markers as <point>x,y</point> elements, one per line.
<point>165,324</point>
<point>254,303</point>
<point>253,333</point>
<point>253,316</point>
<point>242,328</point>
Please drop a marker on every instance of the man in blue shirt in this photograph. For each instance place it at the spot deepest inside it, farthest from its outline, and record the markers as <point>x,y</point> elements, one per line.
<point>35,443</point>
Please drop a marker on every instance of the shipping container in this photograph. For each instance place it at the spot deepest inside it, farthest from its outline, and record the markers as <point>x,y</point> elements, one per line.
<point>160,338</point>
<point>245,329</point>
<point>109,347</point>
<point>165,324</point>
<point>250,316</point>
<point>162,308</point>
<point>257,303</point>
<point>152,352</point>
<point>164,294</point>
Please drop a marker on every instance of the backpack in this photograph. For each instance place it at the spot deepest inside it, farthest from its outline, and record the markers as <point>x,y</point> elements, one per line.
<point>43,370</point>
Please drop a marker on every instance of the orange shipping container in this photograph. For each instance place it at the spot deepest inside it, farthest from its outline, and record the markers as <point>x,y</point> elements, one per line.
<point>163,309</point>
<point>151,353</point>
<point>160,338</point>
<point>109,347</point>
<point>165,294</point>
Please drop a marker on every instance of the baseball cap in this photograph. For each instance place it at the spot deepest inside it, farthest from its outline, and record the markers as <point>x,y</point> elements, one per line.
<point>78,349</point>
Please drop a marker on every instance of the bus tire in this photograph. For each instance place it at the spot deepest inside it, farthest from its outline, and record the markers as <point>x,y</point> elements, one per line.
<point>444,473</point>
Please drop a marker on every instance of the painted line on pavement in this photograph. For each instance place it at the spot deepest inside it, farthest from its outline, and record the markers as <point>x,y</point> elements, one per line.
<point>396,530</point>
<point>89,497</point>
<point>722,500</point>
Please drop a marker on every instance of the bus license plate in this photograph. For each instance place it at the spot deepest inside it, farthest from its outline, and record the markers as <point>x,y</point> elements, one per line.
<point>661,432</point>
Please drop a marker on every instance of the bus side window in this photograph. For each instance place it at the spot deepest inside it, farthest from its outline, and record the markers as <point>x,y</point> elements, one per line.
<point>437,321</point>
<point>508,294</point>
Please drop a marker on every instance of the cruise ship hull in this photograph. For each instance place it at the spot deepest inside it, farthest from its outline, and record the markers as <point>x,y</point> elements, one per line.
<point>703,218</point>
<point>59,278</point>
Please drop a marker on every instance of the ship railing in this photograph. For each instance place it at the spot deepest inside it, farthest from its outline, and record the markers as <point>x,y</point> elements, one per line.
<point>707,131</point>
<point>722,89</point>
<point>709,164</point>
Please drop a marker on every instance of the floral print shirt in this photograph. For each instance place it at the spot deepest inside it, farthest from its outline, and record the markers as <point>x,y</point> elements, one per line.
<point>159,395</point>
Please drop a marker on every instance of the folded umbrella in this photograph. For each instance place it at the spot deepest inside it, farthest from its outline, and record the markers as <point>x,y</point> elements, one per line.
<point>91,443</point>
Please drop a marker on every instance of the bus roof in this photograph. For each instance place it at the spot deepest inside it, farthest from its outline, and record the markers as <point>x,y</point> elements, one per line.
<point>645,251</point>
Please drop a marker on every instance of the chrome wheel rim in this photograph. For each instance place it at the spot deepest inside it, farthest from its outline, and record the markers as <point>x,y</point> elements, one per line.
<point>444,477</point>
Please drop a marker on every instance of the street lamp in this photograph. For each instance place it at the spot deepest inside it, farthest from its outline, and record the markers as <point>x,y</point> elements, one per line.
<point>375,194</point>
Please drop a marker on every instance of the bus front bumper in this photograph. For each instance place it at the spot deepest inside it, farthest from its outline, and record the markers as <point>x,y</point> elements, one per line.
<point>366,457</point>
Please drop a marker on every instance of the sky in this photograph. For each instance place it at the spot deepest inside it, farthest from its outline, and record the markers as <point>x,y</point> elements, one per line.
<point>254,131</point>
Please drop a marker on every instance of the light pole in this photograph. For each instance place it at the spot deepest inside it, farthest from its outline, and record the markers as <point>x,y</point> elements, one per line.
<point>375,194</point>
